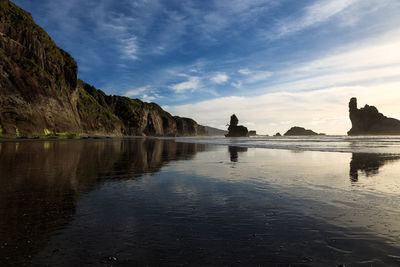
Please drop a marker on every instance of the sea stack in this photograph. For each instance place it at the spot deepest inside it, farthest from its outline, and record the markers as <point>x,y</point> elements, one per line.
<point>236,130</point>
<point>368,121</point>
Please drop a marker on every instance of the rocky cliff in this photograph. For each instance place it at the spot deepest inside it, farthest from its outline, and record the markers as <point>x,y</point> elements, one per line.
<point>39,90</point>
<point>368,121</point>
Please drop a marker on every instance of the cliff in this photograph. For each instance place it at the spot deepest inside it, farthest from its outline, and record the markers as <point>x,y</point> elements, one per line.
<point>368,121</point>
<point>39,90</point>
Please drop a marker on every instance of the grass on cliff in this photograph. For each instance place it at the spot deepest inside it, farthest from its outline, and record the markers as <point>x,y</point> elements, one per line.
<point>91,107</point>
<point>49,134</point>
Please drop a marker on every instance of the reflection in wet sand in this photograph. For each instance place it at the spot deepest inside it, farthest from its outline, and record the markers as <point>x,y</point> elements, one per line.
<point>234,150</point>
<point>40,183</point>
<point>151,202</point>
<point>369,164</point>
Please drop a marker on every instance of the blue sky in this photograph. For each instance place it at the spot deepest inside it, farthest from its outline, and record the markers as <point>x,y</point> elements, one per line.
<point>274,63</point>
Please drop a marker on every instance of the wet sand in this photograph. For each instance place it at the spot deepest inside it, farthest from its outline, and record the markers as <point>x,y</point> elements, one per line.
<point>158,202</point>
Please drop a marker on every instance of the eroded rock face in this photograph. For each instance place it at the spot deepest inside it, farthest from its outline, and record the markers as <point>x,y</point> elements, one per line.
<point>39,90</point>
<point>236,130</point>
<point>368,121</point>
<point>299,131</point>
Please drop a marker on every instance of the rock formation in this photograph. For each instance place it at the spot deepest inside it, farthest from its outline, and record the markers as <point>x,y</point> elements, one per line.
<point>368,121</point>
<point>252,133</point>
<point>299,131</point>
<point>236,130</point>
<point>39,90</point>
<point>278,134</point>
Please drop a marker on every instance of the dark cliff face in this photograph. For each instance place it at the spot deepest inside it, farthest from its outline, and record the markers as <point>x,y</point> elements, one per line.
<point>368,121</point>
<point>39,90</point>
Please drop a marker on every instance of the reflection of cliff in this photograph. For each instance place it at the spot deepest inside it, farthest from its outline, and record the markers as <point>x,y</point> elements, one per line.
<point>368,164</point>
<point>40,183</point>
<point>234,150</point>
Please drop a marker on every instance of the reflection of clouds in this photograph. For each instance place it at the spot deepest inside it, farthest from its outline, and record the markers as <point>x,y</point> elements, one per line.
<point>316,183</point>
<point>188,191</point>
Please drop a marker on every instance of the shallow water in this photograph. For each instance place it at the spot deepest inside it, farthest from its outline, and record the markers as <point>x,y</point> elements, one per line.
<point>160,202</point>
<point>323,143</point>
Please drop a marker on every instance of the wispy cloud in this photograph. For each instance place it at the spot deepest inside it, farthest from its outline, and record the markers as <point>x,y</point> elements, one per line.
<point>146,93</point>
<point>255,76</point>
<point>319,12</point>
<point>192,84</point>
<point>220,78</point>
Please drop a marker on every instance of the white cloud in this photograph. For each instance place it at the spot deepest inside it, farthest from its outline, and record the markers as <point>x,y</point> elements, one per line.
<point>220,78</point>
<point>137,91</point>
<point>244,71</point>
<point>146,93</point>
<point>258,76</point>
<point>148,98</point>
<point>193,83</point>
<point>129,48</point>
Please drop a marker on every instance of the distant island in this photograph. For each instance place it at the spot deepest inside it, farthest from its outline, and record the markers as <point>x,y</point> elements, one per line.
<point>368,121</point>
<point>300,131</point>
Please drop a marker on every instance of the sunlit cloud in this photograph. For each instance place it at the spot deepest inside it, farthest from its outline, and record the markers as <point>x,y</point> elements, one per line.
<point>146,93</point>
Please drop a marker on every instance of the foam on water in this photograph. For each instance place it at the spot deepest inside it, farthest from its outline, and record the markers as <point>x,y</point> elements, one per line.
<point>333,143</point>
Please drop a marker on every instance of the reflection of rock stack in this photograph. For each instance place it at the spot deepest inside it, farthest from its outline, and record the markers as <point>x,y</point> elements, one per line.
<point>369,164</point>
<point>236,130</point>
<point>234,150</point>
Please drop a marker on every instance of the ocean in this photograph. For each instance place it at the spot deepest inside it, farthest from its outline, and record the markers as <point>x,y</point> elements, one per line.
<point>323,143</point>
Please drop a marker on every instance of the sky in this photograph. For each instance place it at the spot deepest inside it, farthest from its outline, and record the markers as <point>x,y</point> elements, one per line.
<point>274,63</point>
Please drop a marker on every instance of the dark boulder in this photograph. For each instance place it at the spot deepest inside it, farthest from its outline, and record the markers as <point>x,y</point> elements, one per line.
<point>278,134</point>
<point>368,121</point>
